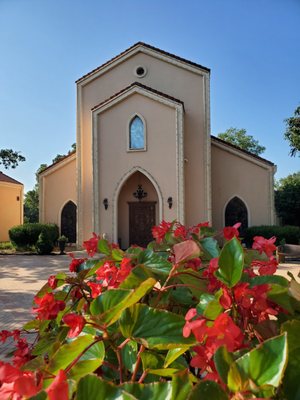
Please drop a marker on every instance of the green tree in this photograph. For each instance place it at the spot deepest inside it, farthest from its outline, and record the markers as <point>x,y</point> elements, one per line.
<point>287,199</point>
<point>10,158</point>
<point>239,138</point>
<point>292,133</point>
<point>31,199</point>
<point>31,206</point>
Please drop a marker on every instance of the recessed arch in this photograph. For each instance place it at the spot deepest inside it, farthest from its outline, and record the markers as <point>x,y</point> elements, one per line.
<point>136,133</point>
<point>68,221</point>
<point>118,189</point>
<point>236,210</point>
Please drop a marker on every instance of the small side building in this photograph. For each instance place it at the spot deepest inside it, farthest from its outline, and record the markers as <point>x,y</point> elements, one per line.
<point>11,205</point>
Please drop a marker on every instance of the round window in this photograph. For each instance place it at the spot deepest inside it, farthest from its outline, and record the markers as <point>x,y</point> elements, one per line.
<point>140,71</point>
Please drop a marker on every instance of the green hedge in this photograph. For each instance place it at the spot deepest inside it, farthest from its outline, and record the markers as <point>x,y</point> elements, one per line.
<point>290,234</point>
<point>27,235</point>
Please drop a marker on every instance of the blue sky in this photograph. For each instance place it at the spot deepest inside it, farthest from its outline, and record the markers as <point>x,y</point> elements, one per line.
<point>252,48</point>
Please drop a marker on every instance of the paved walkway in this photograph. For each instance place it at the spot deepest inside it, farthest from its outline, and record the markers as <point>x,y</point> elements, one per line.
<point>22,276</point>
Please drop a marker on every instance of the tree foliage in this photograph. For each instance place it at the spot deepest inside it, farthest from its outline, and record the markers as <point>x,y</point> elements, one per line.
<point>10,158</point>
<point>287,199</point>
<point>292,133</point>
<point>31,205</point>
<point>239,137</point>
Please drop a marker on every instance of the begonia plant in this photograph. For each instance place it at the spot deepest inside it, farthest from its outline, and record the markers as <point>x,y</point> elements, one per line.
<point>180,319</point>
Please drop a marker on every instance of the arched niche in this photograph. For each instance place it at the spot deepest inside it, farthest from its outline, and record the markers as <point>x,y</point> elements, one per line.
<point>68,221</point>
<point>236,211</point>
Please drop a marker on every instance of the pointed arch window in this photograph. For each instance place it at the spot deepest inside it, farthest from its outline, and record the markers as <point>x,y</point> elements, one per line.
<point>137,134</point>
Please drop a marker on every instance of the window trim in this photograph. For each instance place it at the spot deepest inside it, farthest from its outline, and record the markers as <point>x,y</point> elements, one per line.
<point>129,150</point>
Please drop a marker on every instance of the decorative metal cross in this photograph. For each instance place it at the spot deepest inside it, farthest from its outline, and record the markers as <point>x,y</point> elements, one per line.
<point>140,193</point>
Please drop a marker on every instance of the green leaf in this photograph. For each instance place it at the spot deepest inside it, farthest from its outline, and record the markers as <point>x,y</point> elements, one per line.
<point>40,396</point>
<point>261,280</point>
<point>280,295</point>
<point>223,360</point>
<point>209,305</point>
<point>265,364</point>
<point>68,352</point>
<point>193,278</point>
<point>164,371</point>
<point>234,379</point>
<point>156,329</point>
<point>152,360</point>
<point>210,248</point>
<point>151,391</point>
<point>231,262</point>
<point>117,254</point>
<point>137,275</point>
<point>129,355</point>
<point>103,247</point>
<point>207,390</point>
<point>173,354</point>
<point>89,362</point>
<point>186,250</point>
<point>91,387</point>
<point>291,385</point>
<point>111,303</point>
<point>155,262</point>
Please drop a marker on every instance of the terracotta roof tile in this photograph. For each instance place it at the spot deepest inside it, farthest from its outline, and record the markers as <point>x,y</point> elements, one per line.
<point>216,139</point>
<point>8,179</point>
<point>138,84</point>
<point>149,47</point>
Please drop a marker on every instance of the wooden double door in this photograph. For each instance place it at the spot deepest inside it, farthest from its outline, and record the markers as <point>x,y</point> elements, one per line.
<point>141,221</point>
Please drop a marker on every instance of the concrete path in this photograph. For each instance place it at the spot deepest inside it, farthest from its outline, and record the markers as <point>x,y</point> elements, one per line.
<point>22,276</point>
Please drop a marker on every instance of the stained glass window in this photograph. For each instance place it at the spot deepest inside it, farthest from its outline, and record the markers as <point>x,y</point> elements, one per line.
<point>136,134</point>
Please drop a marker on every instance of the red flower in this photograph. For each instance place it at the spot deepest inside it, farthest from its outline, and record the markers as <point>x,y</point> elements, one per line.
<point>48,306</point>
<point>225,299</point>
<point>197,228</point>
<point>91,245</point>
<point>4,335</point>
<point>59,388</point>
<point>213,283</point>
<point>180,232</point>
<point>266,267</point>
<point>197,326</point>
<point>264,245</point>
<point>52,282</point>
<point>75,263</point>
<point>29,384</point>
<point>22,354</point>
<point>230,232</point>
<point>96,289</point>
<point>159,232</point>
<point>75,322</point>
<point>224,332</point>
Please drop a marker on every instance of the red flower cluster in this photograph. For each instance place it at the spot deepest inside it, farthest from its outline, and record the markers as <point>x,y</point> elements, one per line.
<point>223,331</point>
<point>91,245</point>
<point>111,276</point>
<point>230,232</point>
<point>264,245</point>
<point>159,232</point>
<point>17,385</point>
<point>75,263</point>
<point>48,306</point>
<point>52,281</point>
<point>75,322</point>
<point>266,267</point>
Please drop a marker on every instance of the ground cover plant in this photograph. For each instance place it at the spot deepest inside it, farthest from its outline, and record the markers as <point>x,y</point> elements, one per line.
<point>181,319</point>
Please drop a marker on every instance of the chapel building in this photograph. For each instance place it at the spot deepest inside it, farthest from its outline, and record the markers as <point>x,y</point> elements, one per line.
<point>145,153</point>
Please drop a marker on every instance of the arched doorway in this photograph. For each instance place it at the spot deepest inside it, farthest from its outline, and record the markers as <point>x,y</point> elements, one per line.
<point>236,211</point>
<point>137,211</point>
<point>68,221</point>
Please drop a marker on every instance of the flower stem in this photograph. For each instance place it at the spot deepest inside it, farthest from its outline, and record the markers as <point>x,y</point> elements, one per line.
<point>138,361</point>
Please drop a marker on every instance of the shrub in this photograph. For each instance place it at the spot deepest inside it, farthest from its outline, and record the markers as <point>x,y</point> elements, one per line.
<point>289,234</point>
<point>180,319</point>
<point>44,244</point>
<point>27,235</point>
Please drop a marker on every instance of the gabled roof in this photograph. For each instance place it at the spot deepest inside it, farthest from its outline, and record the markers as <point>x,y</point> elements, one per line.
<point>8,179</point>
<point>223,142</point>
<point>139,85</point>
<point>63,158</point>
<point>148,46</point>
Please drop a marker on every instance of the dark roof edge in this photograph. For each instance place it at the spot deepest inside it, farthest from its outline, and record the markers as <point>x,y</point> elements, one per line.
<point>149,47</point>
<point>8,179</point>
<point>57,162</point>
<point>214,138</point>
<point>140,85</point>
